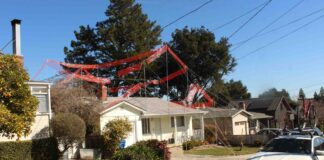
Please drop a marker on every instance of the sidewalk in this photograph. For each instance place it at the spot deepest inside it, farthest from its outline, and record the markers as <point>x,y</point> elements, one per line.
<point>177,154</point>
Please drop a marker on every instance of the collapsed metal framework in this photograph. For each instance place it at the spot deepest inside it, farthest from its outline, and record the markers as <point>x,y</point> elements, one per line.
<point>83,72</point>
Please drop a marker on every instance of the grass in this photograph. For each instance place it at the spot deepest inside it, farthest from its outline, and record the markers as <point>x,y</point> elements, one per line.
<point>224,151</point>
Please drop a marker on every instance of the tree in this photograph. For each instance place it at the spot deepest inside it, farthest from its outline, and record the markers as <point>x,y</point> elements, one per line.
<point>236,90</point>
<point>273,92</point>
<point>204,56</point>
<point>301,94</point>
<point>321,94</point>
<point>68,129</point>
<point>17,105</point>
<point>125,32</point>
<point>316,96</point>
<point>67,98</point>
<point>114,131</point>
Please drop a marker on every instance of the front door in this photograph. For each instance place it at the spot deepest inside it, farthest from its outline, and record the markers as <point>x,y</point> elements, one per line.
<point>131,138</point>
<point>157,128</point>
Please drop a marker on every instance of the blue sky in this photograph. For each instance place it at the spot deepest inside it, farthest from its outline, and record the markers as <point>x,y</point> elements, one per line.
<point>291,63</point>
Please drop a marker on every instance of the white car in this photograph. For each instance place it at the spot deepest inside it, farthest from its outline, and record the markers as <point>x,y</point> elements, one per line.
<point>292,147</point>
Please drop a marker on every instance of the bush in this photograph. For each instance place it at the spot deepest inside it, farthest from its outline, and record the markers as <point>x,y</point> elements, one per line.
<point>113,132</point>
<point>191,144</point>
<point>29,150</point>
<point>150,149</point>
<point>69,129</point>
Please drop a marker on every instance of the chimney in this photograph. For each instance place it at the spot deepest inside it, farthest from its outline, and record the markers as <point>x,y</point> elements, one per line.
<point>242,105</point>
<point>15,23</point>
<point>103,92</point>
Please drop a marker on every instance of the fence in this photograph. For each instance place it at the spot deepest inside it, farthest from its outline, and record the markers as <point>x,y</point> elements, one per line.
<point>248,139</point>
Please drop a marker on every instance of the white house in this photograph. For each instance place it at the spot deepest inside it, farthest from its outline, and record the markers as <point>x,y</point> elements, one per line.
<point>40,127</point>
<point>154,118</point>
<point>228,121</point>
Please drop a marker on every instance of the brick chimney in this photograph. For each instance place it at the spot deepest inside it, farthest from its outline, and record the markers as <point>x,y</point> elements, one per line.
<point>15,23</point>
<point>242,105</point>
<point>102,92</point>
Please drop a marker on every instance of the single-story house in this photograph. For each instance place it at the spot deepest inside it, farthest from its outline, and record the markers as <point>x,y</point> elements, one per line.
<point>227,121</point>
<point>255,124</point>
<point>154,118</point>
<point>277,107</point>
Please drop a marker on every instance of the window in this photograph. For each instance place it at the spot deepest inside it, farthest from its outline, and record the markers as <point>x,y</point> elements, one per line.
<point>239,123</point>
<point>43,104</point>
<point>196,124</point>
<point>146,126</point>
<point>39,89</point>
<point>180,121</point>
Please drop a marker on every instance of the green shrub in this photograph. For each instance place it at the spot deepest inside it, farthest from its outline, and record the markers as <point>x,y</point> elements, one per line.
<point>29,150</point>
<point>150,149</point>
<point>191,144</point>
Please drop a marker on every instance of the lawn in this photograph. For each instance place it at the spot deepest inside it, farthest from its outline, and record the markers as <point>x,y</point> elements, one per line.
<point>224,151</point>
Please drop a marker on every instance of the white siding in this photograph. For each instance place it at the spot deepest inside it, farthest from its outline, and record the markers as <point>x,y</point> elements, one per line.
<point>240,124</point>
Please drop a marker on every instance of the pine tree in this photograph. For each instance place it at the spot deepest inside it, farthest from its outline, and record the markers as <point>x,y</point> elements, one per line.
<point>301,94</point>
<point>321,94</point>
<point>316,96</point>
<point>125,32</point>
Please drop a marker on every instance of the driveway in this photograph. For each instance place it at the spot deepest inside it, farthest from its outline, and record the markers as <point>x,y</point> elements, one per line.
<point>177,154</point>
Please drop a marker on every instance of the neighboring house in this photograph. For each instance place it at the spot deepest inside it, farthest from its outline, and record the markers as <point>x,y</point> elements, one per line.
<point>154,118</point>
<point>227,121</point>
<point>40,127</point>
<point>256,119</point>
<point>278,108</point>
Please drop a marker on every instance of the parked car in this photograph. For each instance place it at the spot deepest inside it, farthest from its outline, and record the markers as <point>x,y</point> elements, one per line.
<point>270,131</point>
<point>294,147</point>
<point>305,131</point>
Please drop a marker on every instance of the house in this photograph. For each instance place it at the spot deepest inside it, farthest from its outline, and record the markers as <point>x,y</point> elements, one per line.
<point>255,124</point>
<point>227,121</point>
<point>281,113</point>
<point>40,127</point>
<point>154,118</point>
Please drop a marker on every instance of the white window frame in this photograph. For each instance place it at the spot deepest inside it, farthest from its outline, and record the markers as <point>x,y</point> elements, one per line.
<point>146,126</point>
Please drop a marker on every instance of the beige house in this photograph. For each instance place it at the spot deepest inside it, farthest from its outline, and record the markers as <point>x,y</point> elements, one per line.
<point>40,127</point>
<point>154,118</point>
<point>41,90</point>
<point>227,121</point>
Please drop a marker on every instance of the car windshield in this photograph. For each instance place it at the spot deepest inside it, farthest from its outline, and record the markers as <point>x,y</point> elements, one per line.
<point>302,146</point>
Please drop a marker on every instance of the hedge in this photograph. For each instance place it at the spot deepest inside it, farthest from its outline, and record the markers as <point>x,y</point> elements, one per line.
<point>150,150</point>
<point>29,150</point>
<point>191,144</point>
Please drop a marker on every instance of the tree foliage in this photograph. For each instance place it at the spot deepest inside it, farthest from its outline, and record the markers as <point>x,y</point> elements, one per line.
<point>66,98</point>
<point>125,32</point>
<point>17,105</point>
<point>114,131</point>
<point>273,92</point>
<point>301,94</point>
<point>208,60</point>
<point>236,90</point>
<point>68,129</point>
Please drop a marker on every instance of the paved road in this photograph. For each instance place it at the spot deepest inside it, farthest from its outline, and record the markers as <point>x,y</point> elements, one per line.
<point>177,154</point>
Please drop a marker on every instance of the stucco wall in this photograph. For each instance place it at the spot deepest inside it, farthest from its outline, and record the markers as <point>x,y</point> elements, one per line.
<point>39,129</point>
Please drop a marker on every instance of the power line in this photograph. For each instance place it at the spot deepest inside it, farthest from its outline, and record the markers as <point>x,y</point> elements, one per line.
<point>287,24</point>
<point>237,30</point>
<point>196,9</point>
<point>267,26</point>
<point>280,38</point>
<point>6,45</point>
<point>236,18</point>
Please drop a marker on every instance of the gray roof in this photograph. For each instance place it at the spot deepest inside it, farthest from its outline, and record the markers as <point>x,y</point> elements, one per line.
<point>266,104</point>
<point>152,106</point>
<point>221,112</point>
<point>257,115</point>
